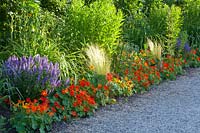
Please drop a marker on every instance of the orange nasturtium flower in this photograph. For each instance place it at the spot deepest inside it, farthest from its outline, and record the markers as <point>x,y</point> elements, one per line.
<point>64,91</point>
<point>44,93</point>
<point>99,86</point>
<point>198,58</point>
<point>146,64</point>
<point>51,114</point>
<point>109,76</point>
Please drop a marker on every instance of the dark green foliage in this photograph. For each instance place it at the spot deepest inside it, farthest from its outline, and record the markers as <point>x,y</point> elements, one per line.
<point>2,124</point>
<point>56,6</point>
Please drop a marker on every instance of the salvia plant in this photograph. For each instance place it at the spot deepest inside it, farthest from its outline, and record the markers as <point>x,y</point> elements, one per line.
<point>31,75</point>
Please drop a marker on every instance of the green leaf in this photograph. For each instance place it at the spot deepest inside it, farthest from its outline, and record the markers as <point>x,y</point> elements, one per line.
<point>42,129</point>
<point>34,124</point>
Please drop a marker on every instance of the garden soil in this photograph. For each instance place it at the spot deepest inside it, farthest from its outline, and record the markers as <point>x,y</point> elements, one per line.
<point>170,107</point>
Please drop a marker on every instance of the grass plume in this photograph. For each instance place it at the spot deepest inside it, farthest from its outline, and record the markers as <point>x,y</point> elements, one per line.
<point>98,59</point>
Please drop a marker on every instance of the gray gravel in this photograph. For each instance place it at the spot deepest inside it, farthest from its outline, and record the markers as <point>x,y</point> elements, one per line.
<point>171,107</point>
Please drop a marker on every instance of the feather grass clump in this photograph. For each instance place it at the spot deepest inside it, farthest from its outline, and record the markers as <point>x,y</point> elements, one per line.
<point>155,48</point>
<point>98,60</point>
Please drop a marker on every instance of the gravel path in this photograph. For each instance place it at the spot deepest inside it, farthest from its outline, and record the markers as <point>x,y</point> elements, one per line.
<point>171,107</point>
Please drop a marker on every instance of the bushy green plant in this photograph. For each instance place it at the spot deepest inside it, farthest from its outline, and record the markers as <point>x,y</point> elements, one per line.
<point>24,121</point>
<point>120,86</point>
<point>98,23</point>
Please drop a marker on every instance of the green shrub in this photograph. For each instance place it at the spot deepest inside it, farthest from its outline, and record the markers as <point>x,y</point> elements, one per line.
<point>157,20</point>
<point>192,21</point>
<point>135,25</point>
<point>98,23</point>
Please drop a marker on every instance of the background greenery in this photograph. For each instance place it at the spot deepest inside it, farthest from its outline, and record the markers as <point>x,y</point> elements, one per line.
<point>63,29</point>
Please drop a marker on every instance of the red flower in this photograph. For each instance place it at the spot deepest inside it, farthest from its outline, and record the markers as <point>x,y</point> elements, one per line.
<point>91,101</point>
<point>99,86</point>
<point>86,109</point>
<point>57,105</point>
<point>109,76</point>
<point>65,118</point>
<point>193,51</point>
<point>84,83</point>
<point>146,84</point>
<point>165,65</point>
<point>138,78</point>
<point>82,93</point>
<point>72,87</point>
<point>53,109</point>
<point>146,76</point>
<point>56,95</point>
<point>44,100</point>
<point>75,104</point>
<point>35,101</point>
<point>71,93</point>
<point>33,108</point>
<point>28,100</point>
<point>44,93</point>
<point>158,74</point>
<point>198,58</point>
<point>7,101</point>
<point>106,87</point>
<point>74,114</point>
<point>77,88</point>
<point>126,72</point>
<point>171,69</point>
<point>43,108</point>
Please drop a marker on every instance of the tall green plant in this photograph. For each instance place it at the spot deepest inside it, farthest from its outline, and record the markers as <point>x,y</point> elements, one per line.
<point>135,24</point>
<point>174,25</point>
